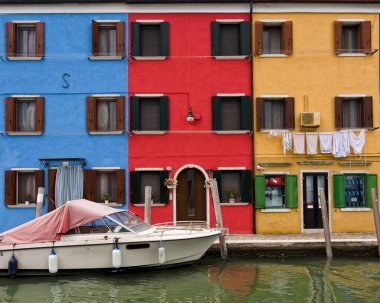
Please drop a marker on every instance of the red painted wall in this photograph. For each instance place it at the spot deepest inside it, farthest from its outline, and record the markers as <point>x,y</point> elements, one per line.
<point>190,77</point>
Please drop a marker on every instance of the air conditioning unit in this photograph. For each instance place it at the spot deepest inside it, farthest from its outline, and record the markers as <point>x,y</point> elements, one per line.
<point>310,119</point>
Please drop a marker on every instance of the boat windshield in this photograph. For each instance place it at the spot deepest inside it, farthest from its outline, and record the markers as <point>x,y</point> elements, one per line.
<point>130,221</point>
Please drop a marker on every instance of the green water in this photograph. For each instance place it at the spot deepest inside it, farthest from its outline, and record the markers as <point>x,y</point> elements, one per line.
<point>211,280</point>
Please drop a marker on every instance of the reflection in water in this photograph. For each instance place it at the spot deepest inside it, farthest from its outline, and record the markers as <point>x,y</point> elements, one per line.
<point>211,280</point>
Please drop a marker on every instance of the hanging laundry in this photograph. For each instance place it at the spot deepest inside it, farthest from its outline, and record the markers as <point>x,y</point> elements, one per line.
<point>286,141</point>
<point>299,143</point>
<point>311,143</point>
<point>326,142</point>
<point>357,142</point>
<point>275,133</point>
<point>341,144</point>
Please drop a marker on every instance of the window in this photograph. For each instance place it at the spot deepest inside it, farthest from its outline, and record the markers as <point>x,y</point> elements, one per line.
<point>21,187</point>
<point>276,191</point>
<point>234,185</point>
<point>155,179</point>
<point>25,39</point>
<point>105,114</point>
<point>275,113</point>
<point>149,113</point>
<point>351,36</point>
<point>108,39</point>
<point>230,39</point>
<point>106,186</point>
<point>24,115</point>
<point>353,112</point>
<point>272,38</point>
<point>231,113</point>
<point>150,39</point>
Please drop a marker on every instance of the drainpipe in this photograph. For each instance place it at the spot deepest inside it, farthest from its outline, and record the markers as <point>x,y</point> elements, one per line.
<point>252,111</point>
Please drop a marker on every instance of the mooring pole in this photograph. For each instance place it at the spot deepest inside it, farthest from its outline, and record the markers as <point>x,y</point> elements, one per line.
<point>325,220</point>
<point>148,204</point>
<point>40,201</point>
<point>375,206</point>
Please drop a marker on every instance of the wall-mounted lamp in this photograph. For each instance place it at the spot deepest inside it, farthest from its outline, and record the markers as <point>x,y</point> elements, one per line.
<point>192,117</point>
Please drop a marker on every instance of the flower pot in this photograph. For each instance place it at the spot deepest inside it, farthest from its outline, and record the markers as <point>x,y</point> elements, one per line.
<point>26,202</point>
<point>232,200</point>
<point>106,202</point>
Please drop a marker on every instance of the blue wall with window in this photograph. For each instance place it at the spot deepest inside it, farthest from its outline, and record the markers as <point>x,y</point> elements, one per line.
<point>64,77</point>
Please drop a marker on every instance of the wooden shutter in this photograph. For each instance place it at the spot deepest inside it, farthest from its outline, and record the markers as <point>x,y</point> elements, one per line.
<point>338,37</point>
<point>164,32</point>
<point>245,38</point>
<point>135,187</point>
<point>247,186</point>
<point>120,113</point>
<point>10,114</point>
<point>120,186</point>
<point>289,113</point>
<point>367,112</point>
<point>338,112</point>
<point>120,39</point>
<point>11,49</point>
<point>291,191</point>
<point>95,38</point>
<point>365,37</point>
<point>52,175</point>
<point>260,117</point>
<point>40,39</point>
<point>259,43</point>
<point>246,121</point>
<point>89,185</point>
<point>164,113</point>
<point>10,187</point>
<point>217,175</point>
<point>339,200</point>
<point>135,41</point>
<point>91,113</point>
<point>40,114</point>
<point>259,191</point>
<point>164,191</point>
<point>287,38</point>
<point>39,182</point>
<point>216,116</point>
<point>135,113</point>
<point>370,182</point>
<point>215,38</point>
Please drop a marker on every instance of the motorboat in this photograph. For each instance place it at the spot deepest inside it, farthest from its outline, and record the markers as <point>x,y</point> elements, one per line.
<point>82,236</point>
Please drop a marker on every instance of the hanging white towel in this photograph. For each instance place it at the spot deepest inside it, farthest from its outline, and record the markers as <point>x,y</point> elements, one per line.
<point>341,144</point>
<point>311,143</point>
<point>326,142</point>
<point>357,142</point>
<point>286,141</point>
<point>299,143</point>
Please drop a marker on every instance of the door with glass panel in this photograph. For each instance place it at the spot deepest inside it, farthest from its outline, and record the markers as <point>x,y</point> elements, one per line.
<point>312,214</point>
<point>191,196</point>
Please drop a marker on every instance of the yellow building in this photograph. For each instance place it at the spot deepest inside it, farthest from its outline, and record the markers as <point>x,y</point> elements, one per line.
<point>316,83</point>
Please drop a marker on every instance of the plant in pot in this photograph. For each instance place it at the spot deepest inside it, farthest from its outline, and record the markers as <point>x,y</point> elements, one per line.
<point>107,198</point>
<point>153,197</point>
<point>27,197</point>
<point>170,183</point>
<point>231,195</point>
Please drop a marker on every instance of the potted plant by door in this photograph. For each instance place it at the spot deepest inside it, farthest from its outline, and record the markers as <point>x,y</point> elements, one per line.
<point>231,195</point>
<point>107,198</point>
<point>170,183</point>
<point>27,197</point>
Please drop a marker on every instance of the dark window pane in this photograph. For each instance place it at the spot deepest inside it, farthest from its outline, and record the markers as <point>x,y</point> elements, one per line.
<point>230,113</point>
<point>106,186</point>
<point>150,179</point>
<point>106,114</point>
<point>229,39</point>
<point>231,182</point>
<point>26,40</point>
<point>274,191</point>
<point>354,190</point>
<point>274,111</point>
<point>150,40</point>
<point>149,114</point>
<point>107,40</point>
<point>350,38</point>
<point>352,113</point>
<point>26,115</point>
<point>272,40</point>
<point>26,189</point>
<point>191,193</point>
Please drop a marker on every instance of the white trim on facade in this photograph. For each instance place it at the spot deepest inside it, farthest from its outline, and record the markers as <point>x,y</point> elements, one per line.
<point>150,21</point>
<point>230,21</point>
<point>232,168</point>
<point>25,169</point>
<point>274,96</point>
<point>275,210</point>
<point>148,95</point>
<point>352,95</point>
<point>273,56</point>
<point>107,21</point>
<point>351,21</point>
<point>231,95</point>
<point>149,169</point>
<point>111,168</point>
<point>25,96</point>
<point>354,172</point>
<point>25,21</point>
<point>105,95</point>
<point>358,209</point>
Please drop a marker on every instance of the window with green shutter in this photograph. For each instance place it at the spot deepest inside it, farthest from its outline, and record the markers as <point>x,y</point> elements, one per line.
<point>260,191</point>
<point>291,191</point>
<point>154,179</point>
<point>234,185</point>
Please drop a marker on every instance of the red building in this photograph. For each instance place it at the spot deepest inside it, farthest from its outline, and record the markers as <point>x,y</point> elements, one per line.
<point>200,62</point>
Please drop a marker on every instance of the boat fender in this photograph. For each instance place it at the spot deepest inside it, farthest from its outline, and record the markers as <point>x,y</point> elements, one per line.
<point>53,262</point>
<point>161,254</point>
<point>116,256</point>
<point>12,266</point>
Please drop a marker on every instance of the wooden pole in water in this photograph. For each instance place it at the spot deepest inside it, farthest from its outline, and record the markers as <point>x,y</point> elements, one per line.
<point>40,201</point>
<point>375,206</point>
<point>148,204</point>
<point>325,220</point>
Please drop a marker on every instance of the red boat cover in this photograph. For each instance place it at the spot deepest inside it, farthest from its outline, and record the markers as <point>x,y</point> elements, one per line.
<point>49,227</point>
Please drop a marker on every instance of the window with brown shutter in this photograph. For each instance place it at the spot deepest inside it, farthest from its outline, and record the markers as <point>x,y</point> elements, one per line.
<point>275,113</point>
<point>52,175</point>
<point>273,38</point>
<point>352,37</point>
<point>108,39</point>
<point>353,112</point>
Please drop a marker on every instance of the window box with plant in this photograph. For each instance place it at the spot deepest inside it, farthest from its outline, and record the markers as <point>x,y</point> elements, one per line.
<point>232,192</point>
<point>107,198</point>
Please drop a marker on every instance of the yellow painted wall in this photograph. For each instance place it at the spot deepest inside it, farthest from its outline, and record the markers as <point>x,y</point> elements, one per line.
<point>314,75</point>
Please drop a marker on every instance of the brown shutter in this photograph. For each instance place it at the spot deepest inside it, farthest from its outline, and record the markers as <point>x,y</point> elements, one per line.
<point>11,39</point>
<point>40,39</point>
<point>287,37</point>
<point>39,182</point>
<point>89,184</point>
<point>338,37</point>
<point>95,38</point>
<point>10,114</point>
<point>120,186</point>
<point>120,40</point>
<point>40,114</point>
<point>338,112</point>
<point>10,187</point>
<point>365,37</point>
<point>91,113</point>
<point>120,113</point>
<point>260,118</point>
<point>52,175</point>
<point>367,112</point>
<point>259,28</point>
<point>289,113</point>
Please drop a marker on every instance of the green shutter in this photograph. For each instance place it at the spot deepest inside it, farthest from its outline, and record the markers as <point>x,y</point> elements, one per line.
<point>164,191</point>
<point>135,187</point>
<point>339,200</point>
<point>247,186</point>
<point>216,113</point>
<point>215,38</point>
<point>135,113</point>
<point>245,108</point>
<point>217,174</point>
<point>244,38</point>
<point>164,113</point>
<point>135,39</point>
<point>370,182</point>
<point>291,191</point>
<point>259,191</point>
<point>164,29</point>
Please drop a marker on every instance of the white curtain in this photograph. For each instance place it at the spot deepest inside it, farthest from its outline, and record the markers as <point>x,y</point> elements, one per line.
<point>26,44</point>
<point>106,186</point>
<point>26,116</point>
<point>272,40</point>
<point>68,184</point>
<point>107,41</point>
<point>274,114</point>
<point>106,115</point>
<point>26,187</point>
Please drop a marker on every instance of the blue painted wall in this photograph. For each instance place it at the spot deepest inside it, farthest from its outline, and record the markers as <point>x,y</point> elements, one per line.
<point>68,42</point>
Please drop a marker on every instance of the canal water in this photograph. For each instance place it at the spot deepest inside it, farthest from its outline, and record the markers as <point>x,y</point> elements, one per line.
<point>212,280</point>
